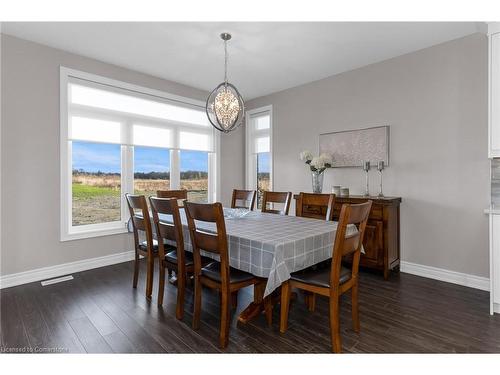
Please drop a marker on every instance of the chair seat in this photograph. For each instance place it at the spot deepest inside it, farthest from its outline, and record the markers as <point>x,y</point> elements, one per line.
<point>320,277</point>
<point>212,271</point>
<point>172,257</point>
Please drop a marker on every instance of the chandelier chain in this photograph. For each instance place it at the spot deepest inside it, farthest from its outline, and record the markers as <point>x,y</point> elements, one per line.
<point>225,61</point>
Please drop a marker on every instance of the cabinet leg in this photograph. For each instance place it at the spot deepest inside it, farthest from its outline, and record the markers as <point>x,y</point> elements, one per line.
<point>386,273</point>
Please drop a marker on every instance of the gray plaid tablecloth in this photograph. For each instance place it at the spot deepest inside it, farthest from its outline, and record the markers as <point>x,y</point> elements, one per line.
<point>273,246</point>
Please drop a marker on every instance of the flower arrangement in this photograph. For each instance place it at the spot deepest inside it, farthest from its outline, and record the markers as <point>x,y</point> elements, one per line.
<point>317,164</point>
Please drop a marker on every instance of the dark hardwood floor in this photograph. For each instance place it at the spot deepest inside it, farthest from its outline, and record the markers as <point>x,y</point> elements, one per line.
<point>99,311</point>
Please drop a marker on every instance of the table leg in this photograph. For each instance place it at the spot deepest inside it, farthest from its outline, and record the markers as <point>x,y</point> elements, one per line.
<point>262,304</point>
<point>255,307</point>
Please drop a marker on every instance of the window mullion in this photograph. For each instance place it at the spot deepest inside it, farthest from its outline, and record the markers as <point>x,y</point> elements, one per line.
<point>127,166</point>
<point>175,170</point>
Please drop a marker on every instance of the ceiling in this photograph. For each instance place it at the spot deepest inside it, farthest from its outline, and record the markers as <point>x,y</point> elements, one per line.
<point>263,57</point>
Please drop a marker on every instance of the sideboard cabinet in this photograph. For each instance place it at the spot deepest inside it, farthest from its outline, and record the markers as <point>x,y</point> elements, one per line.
<point>382,236</point>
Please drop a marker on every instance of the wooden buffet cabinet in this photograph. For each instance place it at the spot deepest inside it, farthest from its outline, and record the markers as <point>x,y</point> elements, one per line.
<point>382,236</point>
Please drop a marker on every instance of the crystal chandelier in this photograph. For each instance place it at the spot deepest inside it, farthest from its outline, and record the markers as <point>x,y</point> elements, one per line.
<point>225,107</point>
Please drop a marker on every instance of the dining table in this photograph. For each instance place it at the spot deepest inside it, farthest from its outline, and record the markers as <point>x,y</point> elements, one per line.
<point>269,246</point>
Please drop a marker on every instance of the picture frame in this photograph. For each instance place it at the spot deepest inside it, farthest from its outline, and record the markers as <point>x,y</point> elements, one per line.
<point>349,148</point>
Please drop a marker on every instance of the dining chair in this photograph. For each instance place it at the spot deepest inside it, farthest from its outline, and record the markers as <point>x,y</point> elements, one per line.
<point>337,280</point>
<point>316,206</point>
<point>246,197</point>
<point>276,197</point>
<point>178,194</point>
<point>147,248</point>
<point>212,238</point>
<point>171,257</point>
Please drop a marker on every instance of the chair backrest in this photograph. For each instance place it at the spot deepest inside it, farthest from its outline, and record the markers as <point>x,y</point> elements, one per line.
<point>168,230</point>
<point>316,206</point>
<point>356,214</point>
<point>202,239</point>
<point>180,195</point>
<point>246,197</point>
<point>276,197</point>
<point>140,222</point>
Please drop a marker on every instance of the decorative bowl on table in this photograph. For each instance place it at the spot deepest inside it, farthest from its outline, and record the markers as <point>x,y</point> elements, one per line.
<point>235,213</point>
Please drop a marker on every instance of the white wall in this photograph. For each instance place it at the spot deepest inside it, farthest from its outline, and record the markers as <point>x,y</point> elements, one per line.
<point>30,155</point>
<point>435,101</point>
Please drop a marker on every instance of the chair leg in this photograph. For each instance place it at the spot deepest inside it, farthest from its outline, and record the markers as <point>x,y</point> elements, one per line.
<point>161,284</point>
<point>224,318</point>
<point>285,305</point>
<point>268,309</point>
<point>258,292</point>
<point>335,324</point>
<point>181,287</point>
<point>197,302</point>
<point>355,308</point>
<point>311,302</point>
<point>149,277</point>
<point>234,300</point>
<point>136,269</point>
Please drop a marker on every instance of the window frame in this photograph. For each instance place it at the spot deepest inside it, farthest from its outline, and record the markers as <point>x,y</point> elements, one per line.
<point>250,156</point>
<point>67,230</point>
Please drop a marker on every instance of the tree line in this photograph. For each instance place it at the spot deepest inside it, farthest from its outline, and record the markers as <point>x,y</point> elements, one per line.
<point>185,175</point>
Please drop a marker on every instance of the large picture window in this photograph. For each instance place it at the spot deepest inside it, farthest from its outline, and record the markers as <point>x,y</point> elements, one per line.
<point>259,151</point>
<point>118,138</point>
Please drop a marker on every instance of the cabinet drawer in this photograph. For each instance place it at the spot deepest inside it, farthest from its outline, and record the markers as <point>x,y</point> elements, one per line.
<point>377,212</point>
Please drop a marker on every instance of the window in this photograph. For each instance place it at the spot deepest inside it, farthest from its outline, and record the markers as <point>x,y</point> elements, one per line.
<point>151,170</point>
<point>96,183</point>
<point>259,151</point>
<point>118,138</point>
<point>194,175</point>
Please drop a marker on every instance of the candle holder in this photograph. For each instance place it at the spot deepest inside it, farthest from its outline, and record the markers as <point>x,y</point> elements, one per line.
<point>366,168</point>
<point>380,168</point>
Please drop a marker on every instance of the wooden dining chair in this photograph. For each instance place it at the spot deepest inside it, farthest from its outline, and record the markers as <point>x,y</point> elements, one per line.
<point>181,196</point>
<point>171,257</point>
<point>333,282</point>
<point>177,194</point>
<point>316,206</point>
<point>246,197</point>
<point>216,275</point>
<point>147,248</point>
<point>276,197</point>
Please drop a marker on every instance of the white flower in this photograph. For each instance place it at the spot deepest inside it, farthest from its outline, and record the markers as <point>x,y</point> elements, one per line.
<point>306,156</point>
<point>318,163</point>
<point>327,159</point>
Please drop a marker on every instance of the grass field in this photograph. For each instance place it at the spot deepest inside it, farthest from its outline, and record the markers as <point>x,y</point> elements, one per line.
<point>96,198</point>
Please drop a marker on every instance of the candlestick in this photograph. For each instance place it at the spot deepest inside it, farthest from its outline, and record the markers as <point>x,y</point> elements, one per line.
<point>380,168</point>
<point>366,168</point>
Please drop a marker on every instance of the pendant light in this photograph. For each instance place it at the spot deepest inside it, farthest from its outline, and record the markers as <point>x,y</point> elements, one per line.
<point>225,107</point>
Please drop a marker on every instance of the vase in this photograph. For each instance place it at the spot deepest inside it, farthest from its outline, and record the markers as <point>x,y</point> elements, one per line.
<point>317,182</point>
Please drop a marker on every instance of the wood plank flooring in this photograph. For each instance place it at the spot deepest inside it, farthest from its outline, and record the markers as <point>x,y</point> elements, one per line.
<point>100,312</point>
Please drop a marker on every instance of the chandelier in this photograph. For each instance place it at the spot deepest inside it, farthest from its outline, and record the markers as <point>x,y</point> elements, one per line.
<point>225,107</point>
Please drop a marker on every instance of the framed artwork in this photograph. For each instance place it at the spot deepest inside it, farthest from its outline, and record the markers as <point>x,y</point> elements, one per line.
<point>351,147</point>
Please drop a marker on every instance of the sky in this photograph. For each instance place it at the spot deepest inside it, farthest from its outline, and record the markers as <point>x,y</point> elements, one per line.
<point>94,157</point>
<point>263,162</point>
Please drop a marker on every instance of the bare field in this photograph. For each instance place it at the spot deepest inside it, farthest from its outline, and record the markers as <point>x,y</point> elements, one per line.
<point>97,198</point>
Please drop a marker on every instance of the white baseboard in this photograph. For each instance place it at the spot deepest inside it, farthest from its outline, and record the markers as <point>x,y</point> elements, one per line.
<point>496,308</point>
<point>441,274</point>
<point>39,274</point>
